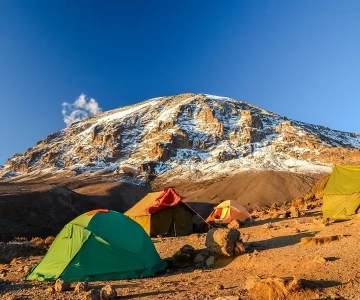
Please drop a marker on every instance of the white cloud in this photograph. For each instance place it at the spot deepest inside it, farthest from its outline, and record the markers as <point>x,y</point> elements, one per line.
<point>81,109</point>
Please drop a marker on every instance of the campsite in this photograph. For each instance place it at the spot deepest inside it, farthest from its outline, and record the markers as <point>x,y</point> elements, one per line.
<point>277,245</point>
<point>186,150</point>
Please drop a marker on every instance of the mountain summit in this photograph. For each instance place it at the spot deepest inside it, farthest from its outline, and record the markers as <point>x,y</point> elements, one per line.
<point>196,133</point>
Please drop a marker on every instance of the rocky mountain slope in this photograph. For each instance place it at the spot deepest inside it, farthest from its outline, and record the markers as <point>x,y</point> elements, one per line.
<point>196,135</point>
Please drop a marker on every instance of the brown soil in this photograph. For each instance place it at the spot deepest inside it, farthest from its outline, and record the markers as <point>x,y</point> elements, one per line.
<point>43,207</point>
<point>251,188</point>
<point>275,251</point>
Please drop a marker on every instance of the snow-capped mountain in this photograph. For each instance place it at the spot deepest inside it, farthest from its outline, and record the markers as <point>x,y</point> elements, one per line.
<point>186,133</point>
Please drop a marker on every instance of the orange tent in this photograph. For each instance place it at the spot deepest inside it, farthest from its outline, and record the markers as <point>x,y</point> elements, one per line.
<point>227,211</point>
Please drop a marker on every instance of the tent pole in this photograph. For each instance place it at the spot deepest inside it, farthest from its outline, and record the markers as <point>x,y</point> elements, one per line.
<point>197,214</point>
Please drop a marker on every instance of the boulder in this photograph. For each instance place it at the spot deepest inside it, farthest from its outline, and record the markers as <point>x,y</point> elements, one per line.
<point>234,224</point>
<point>222,241</point>
<point>108,293</point>
<point>92,295</point>
<point>61,285</point>
<point>81,287</point>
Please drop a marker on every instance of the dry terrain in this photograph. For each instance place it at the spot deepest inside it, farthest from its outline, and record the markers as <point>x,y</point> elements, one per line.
<point>274,249</point>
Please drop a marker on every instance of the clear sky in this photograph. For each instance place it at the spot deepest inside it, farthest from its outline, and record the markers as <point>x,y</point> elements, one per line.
<point>298,58</point>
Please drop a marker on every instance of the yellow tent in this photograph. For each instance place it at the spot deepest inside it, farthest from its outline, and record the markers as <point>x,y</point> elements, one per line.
<point>163,213</point>
<point>342,193</point>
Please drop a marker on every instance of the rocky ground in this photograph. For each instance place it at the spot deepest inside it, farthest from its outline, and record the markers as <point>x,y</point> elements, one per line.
<point>274,248</point>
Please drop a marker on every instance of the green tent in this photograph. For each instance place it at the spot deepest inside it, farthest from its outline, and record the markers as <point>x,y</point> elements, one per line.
<point>99,245</point>
<point>342,193</point>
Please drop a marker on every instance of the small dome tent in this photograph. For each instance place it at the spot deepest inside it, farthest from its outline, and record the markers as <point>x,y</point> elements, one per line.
<point>228,211</point>
<point>99,245</point>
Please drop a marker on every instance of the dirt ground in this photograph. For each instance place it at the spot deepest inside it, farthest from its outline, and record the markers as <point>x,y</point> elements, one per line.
<point>275,250</point>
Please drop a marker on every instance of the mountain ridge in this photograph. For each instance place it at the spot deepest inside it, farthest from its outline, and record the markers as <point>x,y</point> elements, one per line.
<point>185,134</point>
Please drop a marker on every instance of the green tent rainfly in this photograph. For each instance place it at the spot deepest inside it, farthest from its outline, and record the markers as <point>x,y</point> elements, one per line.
<point>342,193</point>
<point>99,245</point>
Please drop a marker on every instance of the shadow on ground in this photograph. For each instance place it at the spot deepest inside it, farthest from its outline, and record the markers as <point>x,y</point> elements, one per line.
<point>280,241</point>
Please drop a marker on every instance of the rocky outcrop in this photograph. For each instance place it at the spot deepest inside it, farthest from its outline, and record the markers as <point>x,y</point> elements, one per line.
<point>181,130</point>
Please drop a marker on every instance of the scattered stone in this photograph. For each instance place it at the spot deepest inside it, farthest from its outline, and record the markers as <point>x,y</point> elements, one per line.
<point>194,236</point>
<point>50,290</point>
<point>297,230</point>
<point>250,281</point>
<point>210,262</point>
<point>199,258</point>
<point>26,269</point>
<point>81,287</point>
<point>309,197</point>
<point>62,285</point>
<point>234,224</point>
<point>92,295</point>
<point>219,287</point>
<point>274,206</point>
<point>268,226</point>
<point>294,212</point>
<point>272,287</point>
<point>108,293</point>
<point>319,260</point>
<point>3,273</point>
<point>184,256</point>
<point>323,222</point>
<point>222,241</point>
<point>297,202</point>
<point>311,241</point>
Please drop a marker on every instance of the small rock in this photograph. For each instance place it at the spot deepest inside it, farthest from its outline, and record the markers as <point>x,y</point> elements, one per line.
<point>199,258</point>
<point>108,292</point>
<point>185,255</point>
<point>268,226</point>
<point>20,270</point>
<point>26,269</point>
<point>210,262</point>
<point>319,260</point>
<point>219,287</point>
<point>3,273</point>
<point>92,295</point>
<point>250,281</point>
<point>294,212</point>
<point>50,290</point>
<point>81,287</point>
<point>62,285</point>
<point>234,224</point>
<point>323,222</point>
<point>198,271</point>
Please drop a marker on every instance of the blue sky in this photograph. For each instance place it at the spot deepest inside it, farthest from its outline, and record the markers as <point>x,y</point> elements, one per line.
<point>300,59</point>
